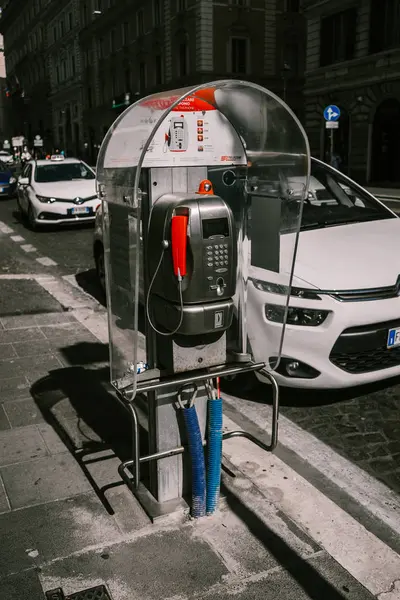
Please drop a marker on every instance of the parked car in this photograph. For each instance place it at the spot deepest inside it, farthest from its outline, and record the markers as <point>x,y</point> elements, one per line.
<point>343,325</point>
<point>8,183</point>
<point>6,157</point>
<point>57,191</point>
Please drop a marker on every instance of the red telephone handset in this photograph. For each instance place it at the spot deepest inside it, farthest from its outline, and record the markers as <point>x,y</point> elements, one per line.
<point>179,225</point>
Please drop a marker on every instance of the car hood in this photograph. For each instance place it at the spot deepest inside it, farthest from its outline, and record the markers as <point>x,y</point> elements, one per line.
<point>348,257</point>
<point>5,177</point>
<point>67,190</point>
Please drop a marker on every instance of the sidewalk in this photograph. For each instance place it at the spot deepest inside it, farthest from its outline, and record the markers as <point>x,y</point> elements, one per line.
<point>66,520</point>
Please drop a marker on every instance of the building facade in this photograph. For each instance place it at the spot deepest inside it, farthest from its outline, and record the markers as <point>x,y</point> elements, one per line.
<point>28,84</point>
<point>99,56</point>
<point>353,61</point>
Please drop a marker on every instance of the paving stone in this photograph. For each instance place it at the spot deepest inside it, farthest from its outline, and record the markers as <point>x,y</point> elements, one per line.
<point>4,422</point>
<point>319,578</point>
<point>53,442</point>
<point>37,347</point>
<point>13,387</point>
<point>19,322</point>
<point>21,586</point>
<point>23,412</point>
<point>7,351</point>
<point>32,367</point>
<point>156,566</point>
<point>55,319</point>
<point>64,331</point>
<point>44,480</point>
<point>53,529</point>
<point>26,296</point>
<point>22,444</point>
<point>26,334</point>
<point>362,428</point>
<point>4,505</point>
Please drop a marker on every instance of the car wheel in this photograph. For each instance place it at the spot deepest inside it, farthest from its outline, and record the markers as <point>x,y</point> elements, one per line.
<point>31,218</point>
<point>100,267</point>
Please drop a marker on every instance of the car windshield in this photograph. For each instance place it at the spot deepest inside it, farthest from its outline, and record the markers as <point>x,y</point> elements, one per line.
<point>52,172</point>
<point>331,201</point>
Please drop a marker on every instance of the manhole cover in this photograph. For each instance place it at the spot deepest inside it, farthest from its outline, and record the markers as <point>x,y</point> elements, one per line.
<point>99,592</point>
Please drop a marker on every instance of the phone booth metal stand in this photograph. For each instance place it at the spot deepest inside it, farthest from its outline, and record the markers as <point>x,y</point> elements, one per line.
<point>202,192</point>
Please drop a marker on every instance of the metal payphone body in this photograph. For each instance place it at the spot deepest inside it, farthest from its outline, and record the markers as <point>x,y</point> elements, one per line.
<point>184,307</point>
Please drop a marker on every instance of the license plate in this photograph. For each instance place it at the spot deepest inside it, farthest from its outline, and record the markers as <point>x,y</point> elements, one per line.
<point>79,209</point>
<point>393,338</point>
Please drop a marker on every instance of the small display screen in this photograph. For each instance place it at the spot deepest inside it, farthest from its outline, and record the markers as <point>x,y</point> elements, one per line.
<point>213,227</point>
<point>178,125</point>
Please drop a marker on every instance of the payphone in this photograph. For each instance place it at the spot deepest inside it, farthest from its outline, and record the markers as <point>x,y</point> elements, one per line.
<point>184,254</point>
<point>192,261</point>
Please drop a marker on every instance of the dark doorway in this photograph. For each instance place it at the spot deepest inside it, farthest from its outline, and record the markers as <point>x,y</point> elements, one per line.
<point>341,141</point>
<point>385,157</point>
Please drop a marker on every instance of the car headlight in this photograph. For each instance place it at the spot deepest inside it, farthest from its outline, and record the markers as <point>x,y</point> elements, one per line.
<point>282,290</point>
<point>12,180</point>
<point>305,317</point>
<point>45,200</point>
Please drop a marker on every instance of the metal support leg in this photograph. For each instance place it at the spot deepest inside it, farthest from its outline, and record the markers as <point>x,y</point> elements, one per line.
<point>275,420</point>
<point>133,480</point>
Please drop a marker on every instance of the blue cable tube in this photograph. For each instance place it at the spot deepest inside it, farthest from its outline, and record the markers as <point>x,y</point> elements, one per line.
<point>196,451</point>
<point>214,454</point>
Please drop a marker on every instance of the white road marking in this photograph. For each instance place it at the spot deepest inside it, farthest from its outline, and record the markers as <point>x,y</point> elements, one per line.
<point>370,493</point>
<point>28,248</point>
<point>20,276</point>
<point>5,229</point>
<point>17,238</point>
<point>47,262</point>
<point>361,553</point>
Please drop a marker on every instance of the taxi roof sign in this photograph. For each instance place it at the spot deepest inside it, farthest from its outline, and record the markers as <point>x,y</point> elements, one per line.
<point>57,157</point>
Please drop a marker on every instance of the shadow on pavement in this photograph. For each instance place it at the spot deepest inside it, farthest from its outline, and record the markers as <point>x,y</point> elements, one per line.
<point>301,570</point>
<point>79,404</point>
<point>89,283</point>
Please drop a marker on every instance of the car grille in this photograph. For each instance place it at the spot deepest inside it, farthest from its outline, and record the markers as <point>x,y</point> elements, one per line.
<point>391,291</point>
<point>71,200</point>
<point>363,349</point>
<point>56,217</point>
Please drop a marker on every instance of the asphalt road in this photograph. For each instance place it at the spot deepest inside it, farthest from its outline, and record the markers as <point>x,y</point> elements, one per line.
<point>361,424</point>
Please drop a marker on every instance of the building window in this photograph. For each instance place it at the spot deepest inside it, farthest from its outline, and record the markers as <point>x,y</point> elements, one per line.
<point>158,71</point>
<point>57,74</point>
<point>157,12</point>
<point>100,52</point>
<point>291,58</point>
<point>90,97</point>
<point>70,23</point>
<point>114,86</point>
<point>140,22</point>
<point>240,2</point>
<point>292,6</point>
<point>181,5</point>
<point>62,28</point>
<point>73,65</point>
<point>384,28</point>
<point>239,55</point>
<point>84,14</point>
<point>112,40</point>
<point>183,55</point>
<point>127,78</point>
<point>142,76</point>
<point>338,37</point>
<point>125,33</point>
<point>55,34</point>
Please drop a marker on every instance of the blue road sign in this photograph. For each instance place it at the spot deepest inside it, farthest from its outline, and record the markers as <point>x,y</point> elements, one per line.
<point>332,113</point>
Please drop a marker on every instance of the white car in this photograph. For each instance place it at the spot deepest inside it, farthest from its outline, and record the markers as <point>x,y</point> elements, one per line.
<point>6,157</point>
<point>343,326</point>
<point>57,191</point>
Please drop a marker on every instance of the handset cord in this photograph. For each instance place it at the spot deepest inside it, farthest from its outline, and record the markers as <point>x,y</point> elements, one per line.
<point>170,333</point>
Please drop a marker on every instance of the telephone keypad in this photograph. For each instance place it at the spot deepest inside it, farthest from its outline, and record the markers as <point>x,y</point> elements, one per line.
<point>217,258</point>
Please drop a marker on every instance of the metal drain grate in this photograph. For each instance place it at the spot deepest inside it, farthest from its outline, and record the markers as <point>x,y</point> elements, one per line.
<point>99,592</point>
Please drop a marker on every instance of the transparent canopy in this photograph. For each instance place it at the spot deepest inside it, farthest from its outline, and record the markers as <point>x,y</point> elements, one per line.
<point>256,153</point>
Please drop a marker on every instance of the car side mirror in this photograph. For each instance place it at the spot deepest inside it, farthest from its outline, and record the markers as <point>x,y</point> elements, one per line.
<point>23,181</point>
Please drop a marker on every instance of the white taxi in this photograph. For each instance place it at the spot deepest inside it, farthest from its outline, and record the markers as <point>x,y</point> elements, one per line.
<point>57,191</point>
